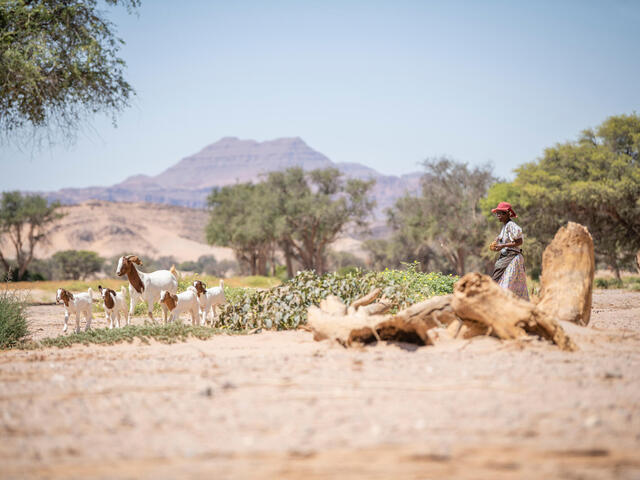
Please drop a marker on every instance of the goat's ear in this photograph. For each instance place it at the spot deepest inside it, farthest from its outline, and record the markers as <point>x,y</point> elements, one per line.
<point>204,285</point>
<point>135,259</point>
<point>69,294</point>
<point>175,297</point>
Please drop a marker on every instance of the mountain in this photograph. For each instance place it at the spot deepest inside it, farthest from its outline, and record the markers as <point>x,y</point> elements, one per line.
<point>231,160</point>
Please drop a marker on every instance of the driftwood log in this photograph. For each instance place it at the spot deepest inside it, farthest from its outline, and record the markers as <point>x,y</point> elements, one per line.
<point>478,305</point>
<point>568,267</point>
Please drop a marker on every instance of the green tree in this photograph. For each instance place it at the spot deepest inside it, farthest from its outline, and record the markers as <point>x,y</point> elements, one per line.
<point>77,264</point>
<point>313,208</point>
<point>242,217</point>
<point>445,222</point>
<point>594,181</point>
<point>58,64</point>
<point>24,220</point>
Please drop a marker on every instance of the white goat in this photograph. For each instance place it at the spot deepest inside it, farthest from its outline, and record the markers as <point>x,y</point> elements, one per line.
<point>146,286</point>
<point>208,298</point>
<point>186,301</point>
<point>76,303</point>
<point>114,303</point>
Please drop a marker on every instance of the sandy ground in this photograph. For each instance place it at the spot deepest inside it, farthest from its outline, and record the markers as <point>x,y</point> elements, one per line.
<point>279,405</point>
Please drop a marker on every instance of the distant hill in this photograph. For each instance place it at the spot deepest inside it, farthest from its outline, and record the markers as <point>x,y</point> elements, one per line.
<point>145,229</point>
<point>231,160</point>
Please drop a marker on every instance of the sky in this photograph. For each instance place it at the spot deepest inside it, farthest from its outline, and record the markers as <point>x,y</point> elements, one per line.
<point>382,83</point>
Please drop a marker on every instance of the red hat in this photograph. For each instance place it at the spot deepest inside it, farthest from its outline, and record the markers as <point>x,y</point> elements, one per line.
<point>505,207</point>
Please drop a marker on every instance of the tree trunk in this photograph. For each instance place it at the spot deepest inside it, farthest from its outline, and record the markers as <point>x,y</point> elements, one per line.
<point>262,263</point>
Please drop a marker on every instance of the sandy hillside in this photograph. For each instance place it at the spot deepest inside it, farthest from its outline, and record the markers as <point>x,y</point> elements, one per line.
<point>147,229</point>
<point>279,405</point>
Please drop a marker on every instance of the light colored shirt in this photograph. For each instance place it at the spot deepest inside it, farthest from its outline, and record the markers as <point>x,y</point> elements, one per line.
<point>510,232</point>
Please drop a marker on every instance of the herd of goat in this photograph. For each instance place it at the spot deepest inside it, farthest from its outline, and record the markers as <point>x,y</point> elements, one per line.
<point>159,286</point>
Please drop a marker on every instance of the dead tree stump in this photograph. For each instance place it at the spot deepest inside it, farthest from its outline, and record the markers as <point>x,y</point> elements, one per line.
<point>568,267</point>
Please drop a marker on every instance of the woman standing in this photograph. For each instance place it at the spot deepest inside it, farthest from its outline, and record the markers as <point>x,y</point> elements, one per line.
<point>509,269</point>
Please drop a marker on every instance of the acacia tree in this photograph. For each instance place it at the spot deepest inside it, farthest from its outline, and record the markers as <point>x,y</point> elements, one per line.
<point>242,217</point>
<point>594,181</point>
<point>77,264</point>
<point>313,208</point>
<point>24,221</point>
<point>444,222</point>
<point>58,65</point>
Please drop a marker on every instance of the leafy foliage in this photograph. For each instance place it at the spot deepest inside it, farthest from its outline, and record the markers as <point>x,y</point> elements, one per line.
<point>24,219</point>
<point>594,181</point>
<point>77,264</point>
<point>444,227</point>
<point>299,212</point>
<point>285,306</point>
<point>13,319</point>
<point>58,63</point>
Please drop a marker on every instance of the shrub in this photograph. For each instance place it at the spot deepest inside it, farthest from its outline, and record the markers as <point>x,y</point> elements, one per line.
<point>76,264</point>
<point>285,306</point>
<point>13,319</point>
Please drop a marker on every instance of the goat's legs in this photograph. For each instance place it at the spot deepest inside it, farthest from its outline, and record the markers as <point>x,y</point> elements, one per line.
<point>117,314</point>
<point>133,300</point>
<point>165,314</point>
<point>109,315</point>
<point>89,316</point>
<point>77,321</point>
<point>66,322</point>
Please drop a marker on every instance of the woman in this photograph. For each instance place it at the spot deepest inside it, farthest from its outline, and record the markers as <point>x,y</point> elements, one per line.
<point>509,270</point>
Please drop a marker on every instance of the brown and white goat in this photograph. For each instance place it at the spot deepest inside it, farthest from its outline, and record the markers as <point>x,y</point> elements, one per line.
<point>182,302</point>
<point>146,286</point>
<point>114,303</point>
<point>76,303</point>
<point>208,299</point>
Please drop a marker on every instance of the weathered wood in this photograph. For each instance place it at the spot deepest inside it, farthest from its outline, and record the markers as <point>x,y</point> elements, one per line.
<point>476,297</point>
<point>568,267</point>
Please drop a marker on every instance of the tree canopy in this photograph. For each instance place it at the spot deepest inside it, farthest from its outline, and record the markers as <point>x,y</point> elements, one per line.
<point>594,181</point>
<point>443,227</point>
<point>24,220</point>
<point>296,212</point>
<point>58,64</point>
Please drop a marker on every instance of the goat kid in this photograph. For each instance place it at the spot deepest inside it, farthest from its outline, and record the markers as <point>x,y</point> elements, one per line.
<point>146,286</point>
<point>186,301</point>
<point>76,303</point>
<point>114,303</point>
<point>208,299</point>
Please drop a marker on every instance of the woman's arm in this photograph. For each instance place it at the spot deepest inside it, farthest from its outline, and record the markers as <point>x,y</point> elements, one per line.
<point>516,243</point>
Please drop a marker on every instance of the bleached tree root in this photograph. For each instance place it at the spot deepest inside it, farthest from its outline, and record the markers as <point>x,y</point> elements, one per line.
<point>568,267</point>
<point>332,320</point>
<point>478,298</point>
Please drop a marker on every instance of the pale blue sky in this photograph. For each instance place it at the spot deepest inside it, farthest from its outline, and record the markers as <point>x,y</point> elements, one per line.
<point>385,84</point>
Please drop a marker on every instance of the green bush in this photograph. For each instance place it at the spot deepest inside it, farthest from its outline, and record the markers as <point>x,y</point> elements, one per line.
<point>13,319</point>
<point>285,306</point>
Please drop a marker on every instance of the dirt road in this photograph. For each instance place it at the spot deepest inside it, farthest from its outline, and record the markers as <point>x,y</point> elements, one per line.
<point>279,405</point>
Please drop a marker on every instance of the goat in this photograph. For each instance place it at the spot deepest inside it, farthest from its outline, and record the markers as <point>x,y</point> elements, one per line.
<point>146,286</point>
<point>114,303</point>
<point>76,303</point>
<point>182,302</point>
<point>208,298</point>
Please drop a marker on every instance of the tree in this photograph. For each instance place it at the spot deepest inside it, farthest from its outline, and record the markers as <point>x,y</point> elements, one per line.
<point>445,222</point>
<point>24,220</point>
<point>313,208</point>
<point>243,217</point>
<point>594,181</point>
<point>77,264</point>
<point>58,64</point>
<point>299,212</point>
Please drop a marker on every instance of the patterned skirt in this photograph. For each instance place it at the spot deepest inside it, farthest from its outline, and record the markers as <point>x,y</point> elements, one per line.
<point>514,278</point>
